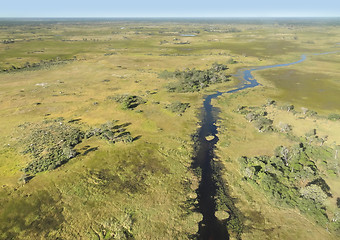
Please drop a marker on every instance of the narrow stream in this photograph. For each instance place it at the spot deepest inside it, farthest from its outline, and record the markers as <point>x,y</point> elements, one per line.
<point>210,227</point>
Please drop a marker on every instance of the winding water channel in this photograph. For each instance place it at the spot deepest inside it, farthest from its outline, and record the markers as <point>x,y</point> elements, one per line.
<point>210,227</point>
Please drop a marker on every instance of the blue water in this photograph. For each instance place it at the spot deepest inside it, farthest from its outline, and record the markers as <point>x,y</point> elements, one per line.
<point>316,54</point>
<point>248,80</point>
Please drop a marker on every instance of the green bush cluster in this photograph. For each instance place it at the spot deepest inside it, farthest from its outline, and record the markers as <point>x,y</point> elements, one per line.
<point>43,64</point>
<point>313,192</point>
<point>258,117</point>
<point>288,107</point>
<point>312,137</point>
<point>334,116</point>
<point>127,101</point>
<point>50,144</point>
<point>193,80</point>
<point>111,132</point>
<point>291,178</point>
<point>327,158</point>
<point>177,107</point>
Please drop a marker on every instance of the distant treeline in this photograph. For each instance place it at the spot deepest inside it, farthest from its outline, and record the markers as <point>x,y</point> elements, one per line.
<point>38,65</point>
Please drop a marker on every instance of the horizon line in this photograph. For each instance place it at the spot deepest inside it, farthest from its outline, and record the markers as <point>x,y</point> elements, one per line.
<point>179,17</point>
<point>211,17</point>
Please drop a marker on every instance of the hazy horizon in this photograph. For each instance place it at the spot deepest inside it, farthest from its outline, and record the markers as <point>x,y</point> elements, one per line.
<point>168,9</point>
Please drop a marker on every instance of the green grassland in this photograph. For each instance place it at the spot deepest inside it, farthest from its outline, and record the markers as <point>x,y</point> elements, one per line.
<point>145,189</point>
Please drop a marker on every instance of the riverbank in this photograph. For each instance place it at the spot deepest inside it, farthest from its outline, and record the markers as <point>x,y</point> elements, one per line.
<point>263,218</point>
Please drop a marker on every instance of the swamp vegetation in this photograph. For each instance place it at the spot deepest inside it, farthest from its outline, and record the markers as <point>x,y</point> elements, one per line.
<point>97,119</point>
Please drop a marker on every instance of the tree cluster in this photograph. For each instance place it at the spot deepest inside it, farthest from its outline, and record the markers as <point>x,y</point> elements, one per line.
<point>51,143</point>
<point>43,64</point>
<point>8,41</point>
<point>291,178</point>
<point>194,80</point>
<point>257,116</point>
<point>127,101</point>
<point>111,132</point>
<point>177,107</point>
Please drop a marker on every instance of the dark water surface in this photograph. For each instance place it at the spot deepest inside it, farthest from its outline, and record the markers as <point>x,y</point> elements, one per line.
<point>210,227</point>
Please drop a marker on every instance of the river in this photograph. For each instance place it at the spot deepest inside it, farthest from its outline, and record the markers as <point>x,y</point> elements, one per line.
<point>210,227</point>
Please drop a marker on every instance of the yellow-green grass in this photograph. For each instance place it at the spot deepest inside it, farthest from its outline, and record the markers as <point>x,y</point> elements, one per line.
<point>238,137</point>
<point>155,170</point>
<point>313,84</point>
<point>148,182</point>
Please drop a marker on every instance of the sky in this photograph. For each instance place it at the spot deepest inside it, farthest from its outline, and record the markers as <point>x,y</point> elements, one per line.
<point>170,8</point>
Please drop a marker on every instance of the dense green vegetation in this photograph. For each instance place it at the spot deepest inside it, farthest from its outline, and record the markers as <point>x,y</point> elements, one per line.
<point>51,143</point>
<point>43,64</point>
<point>178,107</point>
<point>111,132</point>
<point>127,101</point>
<point>257,116</point>
<point>292,178</point>
<point>334,116</point>
<point>193,80</point>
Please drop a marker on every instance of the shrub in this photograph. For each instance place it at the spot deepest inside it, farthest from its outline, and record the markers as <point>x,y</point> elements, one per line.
<point>50,144</point>
<point>177,107</point>
<point>304,110</point>
<point>257,117</point>
<point>111,132</point>
<point>285,127</point>
<point>127,101</point>
<point>270,102</point>
<point>334,116</point>
<point>263,124</point>
<point>193,80</point>
<point>280,177</point>
<point>313,192</point>
<point>287,107</point>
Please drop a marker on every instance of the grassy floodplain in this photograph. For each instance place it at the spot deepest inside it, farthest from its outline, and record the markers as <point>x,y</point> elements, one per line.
<point>73,69</point>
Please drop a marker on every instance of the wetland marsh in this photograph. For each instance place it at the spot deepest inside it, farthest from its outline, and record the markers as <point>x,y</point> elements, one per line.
<point>143,161</point>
